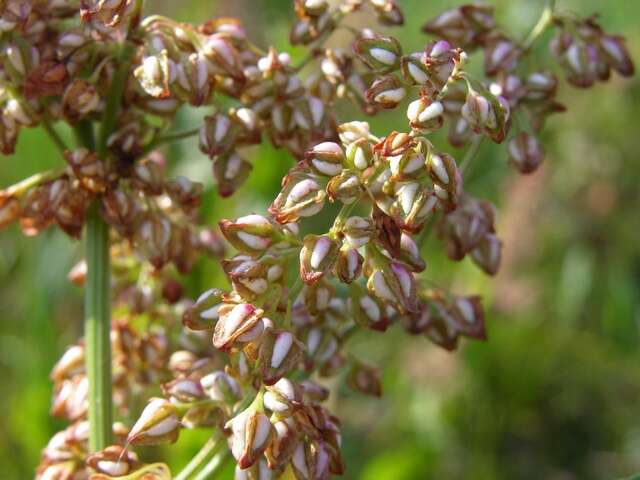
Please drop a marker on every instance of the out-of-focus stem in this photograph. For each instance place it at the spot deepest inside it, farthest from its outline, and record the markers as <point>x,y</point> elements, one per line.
<point>543,22</point>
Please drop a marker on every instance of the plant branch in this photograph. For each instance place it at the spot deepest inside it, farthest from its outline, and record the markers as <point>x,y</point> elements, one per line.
<point>214,465</point>
<point>543,22</point>
<point>205,453</point>
<point>55,137</point>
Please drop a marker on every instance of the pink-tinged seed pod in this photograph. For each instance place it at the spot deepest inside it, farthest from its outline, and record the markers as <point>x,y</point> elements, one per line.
<point>466,26</point>
<point>183,390</point>
<point>301,196</point>
<point>317,257</point>
<point>148,176</point>
<point>217,135</point>
<point>348,265</point>
<point>158,423</point>
<point>283,397</point>
<point>370,311</point>
<point>314,392</point>
<point>438,325</point>
<point>251,233</point>
<point>326,158</point>
<point>395,144</point>
<point>193,83</point>
<point>500,55</point>
<point>358,231</point>
<point>280,352</point>
<point>425,115</point>
<point>230,171</point>
<point>378,53</point>
<point>396,285</point>
<point>525,152</point>
<point>285,440</point>
<point>617,56</point>
<point>413,205</point>
<point>258,471</point>
<point>388,12</point>
<point>353,131</point>
<point>184,192</point>
<point>487,114</point>
<point>440,59</point>
<point>310,461</point>
<point>92,172</point>
<point>346,187</point>
<point>251,434</point>
<point>70,364</point>
<point>248,276</point>
<point>540,86</point>
<point>318,296</point>
<point>410,253</point>
<point>487,254</point>
<point>155,74</point>
<point>9,209</point>
<point>365,379</point>
<point>386,92</point>
<point>468,315</point>
<point>413,69</point>
<point>80,98</point>
<point>121,211</point>
<point>223,57</point>
<point>309,114</point>
<point>204,313</point>
<point>221,387</point>
<point>113,461</point>
<point>235,320</point>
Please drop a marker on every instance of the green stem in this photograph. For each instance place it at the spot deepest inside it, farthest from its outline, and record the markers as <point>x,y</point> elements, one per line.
<point>205,453</point>
<point>170,138</point>
<point>97,326</point>
<point>55,137</point>
<point>471,154</point>
<point>22,186</point>
<point>543,22</point>
<point>214,465</point>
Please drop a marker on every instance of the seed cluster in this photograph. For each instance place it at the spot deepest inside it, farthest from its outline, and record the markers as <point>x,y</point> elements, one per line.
<point>246,361</point>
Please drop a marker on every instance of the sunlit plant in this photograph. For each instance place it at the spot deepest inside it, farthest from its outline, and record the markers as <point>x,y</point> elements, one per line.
<point>245,361</point>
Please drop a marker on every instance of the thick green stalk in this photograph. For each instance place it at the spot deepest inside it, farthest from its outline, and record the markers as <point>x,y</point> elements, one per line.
<point>97,326</point>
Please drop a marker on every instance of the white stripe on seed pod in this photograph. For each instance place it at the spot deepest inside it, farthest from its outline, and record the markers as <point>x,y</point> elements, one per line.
<point>320,251</point>
<point>383,56</point>
<point>417,73</point>
<point>466,309</point>
<point>381,287</point>
<point>263,428</point>
<point>439,169</point>
<point>211,313</point>
<point>113,469</point>
<point>254,241</point>
<point>281,348</point>
<point>394,95</point>
<point>301,189</point>
<point>326,168</point>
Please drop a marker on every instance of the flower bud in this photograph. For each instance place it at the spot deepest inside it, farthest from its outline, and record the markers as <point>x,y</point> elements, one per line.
<point>358,231</point>
<point>280,352</point>
<point>235,321</point>
<point>113,461</point>
<point>185,192</point>
<point>148,176</point>
<point>414,70</point>
<point>466,26</point>
<point>500,55</point>
<point>251,233</point>
<point>248,276</point>
<point>192,79</point>
<point>395,144</point>
<point>386,91</point>
<point>230,171</point>
<point>394,284</point>
<point>204,313</point>
<point>413,205</point>
<point>157,424</point>
<point>283,397</point>
<point>326,159</point>
<point>468,316</point>
<point>425,115</point>
<point>348,265</point>
<point>410,253</point>
<point>541,86</point>
<point>378,53</point>
<point>346,187</point>
<point>353,131</point>
<point>616,54</point>
<point>388,12</point>
<point>301,196</point>
<point>223,56</point>
<point>525,152</point>
<point>365,379</point>
<point>221,387</point>
<point>317,257</point>
<point>284,443</point>
<point>487,254</point>
<point>251,434</point>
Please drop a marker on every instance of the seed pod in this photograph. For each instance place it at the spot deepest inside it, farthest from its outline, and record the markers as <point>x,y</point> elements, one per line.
<point>425,115</point>
<point>487,254</point>
<point>92,173</point>
<point>248,276</point>
<point>346,187</point>
<point>46,79</point>
<point>348,265</point>
<point>388,12</point>
<point>413,205</point>
<point>353,131</point>
<point>410,253</point>
<point>301,196</point>
<point>309,113</point>
<point>121,211</point>
<point>155,74</point>
<point>183,390</point>
<point>114,461</point>
<point>284,443</point>
<point>223,56</point>
<point>525,152</point>
<point>258,471</point>
<point>221,387</point>
<point>395,144</point>
<point>438,325</point>
<point>359,154</point>
<point>370,311</point>
<point>318,296</point>
<point>251,434</point>
<point>466,26</point>
<point>148,176</point>
<point>204,313</point>
<point>280,352</point>
<point>395,284</point>
<point>413,69</point>
<point>192,82</point>
<point>358,231</point>
<point>386,91</point>
<point>310,461</point>
<point>381,54</point>
<point>217,135</point>
<point>317,257</point>
<point>468,315</point>
<point>500,55</point>
<point>230,171</point>
<point>283,397</point>
<point>616,53</point>
<point>80,98</point>
<point>326,159</point>
<point>409,165</point>
<point>365,379</point>
<point>445,176</point>
<point>158,423</point>
<point>487,114</point>
<point>440,60</point>
<point>251,233</point>
<point>541,86</point>
<point>235,320</point>
<point>70,364</point>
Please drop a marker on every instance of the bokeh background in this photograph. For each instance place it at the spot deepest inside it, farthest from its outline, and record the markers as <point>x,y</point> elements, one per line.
<point>554,393</point>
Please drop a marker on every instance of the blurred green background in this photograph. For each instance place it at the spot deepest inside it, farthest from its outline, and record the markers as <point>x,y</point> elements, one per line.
<point>554,393</point>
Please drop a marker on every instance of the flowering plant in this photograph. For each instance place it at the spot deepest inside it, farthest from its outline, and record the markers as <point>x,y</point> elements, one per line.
<point>245,361</point>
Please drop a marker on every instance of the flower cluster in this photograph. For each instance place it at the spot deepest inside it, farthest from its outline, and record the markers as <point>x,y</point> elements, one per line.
<point>245,361</point>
